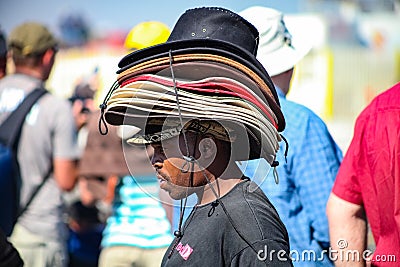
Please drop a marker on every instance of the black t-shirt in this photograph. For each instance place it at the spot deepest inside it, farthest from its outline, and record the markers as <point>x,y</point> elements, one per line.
<point>210,239</point>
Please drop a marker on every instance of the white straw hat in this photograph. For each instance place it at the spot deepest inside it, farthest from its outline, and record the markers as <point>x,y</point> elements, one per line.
<point>278,49</point>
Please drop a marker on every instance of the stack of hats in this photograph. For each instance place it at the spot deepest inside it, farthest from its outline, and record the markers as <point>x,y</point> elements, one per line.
<point>206,71</point>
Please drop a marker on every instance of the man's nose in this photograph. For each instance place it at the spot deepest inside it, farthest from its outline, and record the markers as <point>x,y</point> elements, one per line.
<point>157,165</point>
<point>157,160</point>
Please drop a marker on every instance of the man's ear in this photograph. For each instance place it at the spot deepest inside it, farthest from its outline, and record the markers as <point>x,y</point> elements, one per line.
<point>48,56</point>
<point>208,148</point>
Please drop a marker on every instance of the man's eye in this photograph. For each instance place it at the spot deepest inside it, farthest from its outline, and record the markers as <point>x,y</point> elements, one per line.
<point>163,150</point>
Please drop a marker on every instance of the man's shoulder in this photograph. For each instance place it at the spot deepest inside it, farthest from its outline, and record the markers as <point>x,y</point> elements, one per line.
<point>56,101</point>
<point>54,106</point>
<point>388,100</point>
<point>249,199</point>
<point>295,112</point>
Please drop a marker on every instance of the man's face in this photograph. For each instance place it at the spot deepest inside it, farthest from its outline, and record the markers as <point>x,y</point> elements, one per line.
<point>173,171</point>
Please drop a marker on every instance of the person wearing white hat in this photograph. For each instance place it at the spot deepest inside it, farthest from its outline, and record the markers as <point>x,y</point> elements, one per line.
<point>307,173</point>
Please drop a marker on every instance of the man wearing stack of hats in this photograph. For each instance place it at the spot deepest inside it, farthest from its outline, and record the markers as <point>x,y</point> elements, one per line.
<point>203,101</point>
<point>47,150</point>
<point>313,159</point>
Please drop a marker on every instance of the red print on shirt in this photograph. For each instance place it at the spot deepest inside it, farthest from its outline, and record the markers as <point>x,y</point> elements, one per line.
<point>184,250</point>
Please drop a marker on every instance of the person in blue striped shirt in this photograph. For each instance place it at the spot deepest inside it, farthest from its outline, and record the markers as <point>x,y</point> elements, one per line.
<point>119,180</point>
<point>306,175</point>
<point>138,231</point>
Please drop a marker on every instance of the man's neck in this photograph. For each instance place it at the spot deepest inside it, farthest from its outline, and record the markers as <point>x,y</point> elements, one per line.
<point>219,187</point>
<point>34,72</point>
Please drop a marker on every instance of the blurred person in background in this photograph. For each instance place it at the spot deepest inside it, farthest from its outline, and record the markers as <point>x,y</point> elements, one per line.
<point>100,161</point>
<point>138,231</point>
<point>367,188</point>
<point>3,54</point>
<point>9,256</point>
<point>86,228</point>
<point>307,173</point>
<point>47,148</point>
<point>83,104</point>
<point>85,219</point>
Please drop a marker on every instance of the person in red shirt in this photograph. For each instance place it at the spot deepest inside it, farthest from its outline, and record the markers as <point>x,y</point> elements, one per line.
<point>367,187</point>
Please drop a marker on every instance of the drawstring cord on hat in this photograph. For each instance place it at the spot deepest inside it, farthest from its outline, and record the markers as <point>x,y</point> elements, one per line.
<point>177,100</point>
<point>275,163</point>
<point>179,233</point>
<point>103,107</point>
<point>188,159</point>
<point>191,160</point>
<point>286,146</point>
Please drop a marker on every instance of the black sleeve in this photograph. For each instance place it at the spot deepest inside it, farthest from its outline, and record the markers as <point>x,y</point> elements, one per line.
<point>9,256</point>
<point>269,254</point>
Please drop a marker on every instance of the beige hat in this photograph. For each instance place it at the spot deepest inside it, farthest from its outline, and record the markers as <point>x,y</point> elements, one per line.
<point>278,49</point>
<point>30,38</point>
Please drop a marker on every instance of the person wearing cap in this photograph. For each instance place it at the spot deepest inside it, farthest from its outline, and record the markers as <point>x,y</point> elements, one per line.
<point>3,54</point>
<point>8,254</point>
<point>366,190</point>
<point>83,104</point>
<point>145,34</point>
<point>307,173</point>
<point>141,236</point>
<point>203,101</point>
<point>47,147</point>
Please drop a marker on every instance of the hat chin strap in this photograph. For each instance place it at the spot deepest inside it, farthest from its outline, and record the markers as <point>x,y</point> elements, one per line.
<point>189,161</point>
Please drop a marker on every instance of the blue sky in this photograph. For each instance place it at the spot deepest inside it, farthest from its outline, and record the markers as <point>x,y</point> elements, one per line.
<point>119,14</point>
